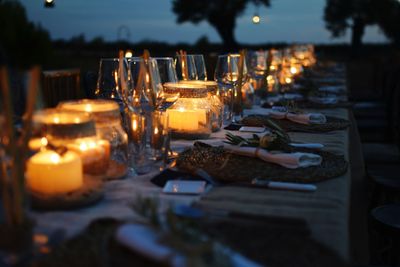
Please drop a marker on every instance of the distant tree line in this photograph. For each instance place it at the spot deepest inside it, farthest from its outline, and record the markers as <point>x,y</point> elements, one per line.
<point>341,15</point>
<point>22,43</point>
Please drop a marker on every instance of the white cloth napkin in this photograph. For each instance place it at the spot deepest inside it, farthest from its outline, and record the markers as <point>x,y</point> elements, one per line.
<point>306,118</point>
<point>324,100</point>
<point>143,239</point>
<point>287,160</point>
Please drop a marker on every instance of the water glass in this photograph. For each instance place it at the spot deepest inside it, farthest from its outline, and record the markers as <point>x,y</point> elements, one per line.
<point>159,137</point>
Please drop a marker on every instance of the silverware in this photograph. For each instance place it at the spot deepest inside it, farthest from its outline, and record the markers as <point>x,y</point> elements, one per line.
<point>284,185</point>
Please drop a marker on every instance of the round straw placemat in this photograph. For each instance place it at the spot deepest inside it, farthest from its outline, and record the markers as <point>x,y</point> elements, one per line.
<point>227,167</point>
<point>90,193</point>
<point>332,124</point>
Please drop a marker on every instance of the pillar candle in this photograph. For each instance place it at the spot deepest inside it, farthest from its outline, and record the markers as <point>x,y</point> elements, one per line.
<point>50,173</point>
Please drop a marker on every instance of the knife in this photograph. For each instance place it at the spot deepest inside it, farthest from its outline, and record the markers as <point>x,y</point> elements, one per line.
<point>284,185</point>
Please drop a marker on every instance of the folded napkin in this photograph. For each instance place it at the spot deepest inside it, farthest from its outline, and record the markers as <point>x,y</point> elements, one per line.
<point>306,118</point>
<point>144,240</point>
<point>323,100</point>
<point>287,160</point>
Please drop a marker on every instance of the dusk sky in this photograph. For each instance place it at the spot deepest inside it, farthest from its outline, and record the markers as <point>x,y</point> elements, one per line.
<point>285,20</point>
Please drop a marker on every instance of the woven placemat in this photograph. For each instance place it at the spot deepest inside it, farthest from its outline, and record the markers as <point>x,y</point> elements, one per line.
<point>312,105</point>
<point>90,193</point>
<point>227,167</point>
<point>277,237</point>
<point>332,124</point>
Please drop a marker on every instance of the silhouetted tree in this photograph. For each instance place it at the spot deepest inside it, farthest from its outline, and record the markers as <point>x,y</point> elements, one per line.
<point>22,43</point>
<point>340,15</point>
<point>387,15</point>
<point>221,14</point>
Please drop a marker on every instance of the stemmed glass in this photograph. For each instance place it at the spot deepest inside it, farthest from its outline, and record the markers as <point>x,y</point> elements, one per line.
<point>227,74</point>
<point>109,79</point>
<point>166,74</point>
<point>191,67</point>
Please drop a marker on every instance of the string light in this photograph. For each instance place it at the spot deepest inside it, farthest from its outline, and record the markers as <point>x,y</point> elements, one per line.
<point>256,19</point>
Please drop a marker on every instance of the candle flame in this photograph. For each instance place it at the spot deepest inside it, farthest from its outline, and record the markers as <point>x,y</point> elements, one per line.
<point>87,145</point>
<point>272,67</point>
<point>55,158</point>
<point>56,120</point>
<point>293,70</point>
<point>156,130</point>
<point>134,125</point>
<point>88,108</point>
<point>43,141</point>
<point>288,80</point>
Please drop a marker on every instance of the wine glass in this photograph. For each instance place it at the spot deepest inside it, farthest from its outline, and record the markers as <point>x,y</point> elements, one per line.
<point>144,83</point>
<point>200,64</point>
<point>190,67</point>
<point>226,75</point>
<point>109,78</point>
<point>167,75</point>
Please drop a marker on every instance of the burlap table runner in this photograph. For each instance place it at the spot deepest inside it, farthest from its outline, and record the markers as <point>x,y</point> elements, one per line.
<point>326,211</point>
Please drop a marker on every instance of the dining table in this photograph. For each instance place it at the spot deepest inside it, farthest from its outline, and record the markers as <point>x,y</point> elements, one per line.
<point>335,214</point>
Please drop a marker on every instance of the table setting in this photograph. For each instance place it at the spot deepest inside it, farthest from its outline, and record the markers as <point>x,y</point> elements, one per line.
<point>168,168</point>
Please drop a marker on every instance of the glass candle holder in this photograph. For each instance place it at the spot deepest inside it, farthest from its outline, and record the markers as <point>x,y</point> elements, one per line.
<point>107,118</point>
<point>215,98</point>
<point>190,116</point>
<point>76,132</point>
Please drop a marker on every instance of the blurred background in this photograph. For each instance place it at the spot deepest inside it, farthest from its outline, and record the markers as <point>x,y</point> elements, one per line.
<point>73,34</point>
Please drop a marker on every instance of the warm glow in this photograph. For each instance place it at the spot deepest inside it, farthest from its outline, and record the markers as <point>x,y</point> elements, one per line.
<point>84,146</point>
<point>134,125</point>
<point>128,53</point>
<point>156,130</point>
<point>293,70</point>
<point>56,120</point>
<point>49,1</point>
<point>288,80</point>
<point>182,109</point>
<point>269,78</point>
<point>43,141</point>
<point>256,19</point>
<point>272,67</point>
<point>88,108</point>
<point>49,173</point>
<point>55,158</point>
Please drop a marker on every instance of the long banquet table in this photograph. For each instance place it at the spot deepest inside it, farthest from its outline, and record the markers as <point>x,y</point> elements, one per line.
<point>334,212</point>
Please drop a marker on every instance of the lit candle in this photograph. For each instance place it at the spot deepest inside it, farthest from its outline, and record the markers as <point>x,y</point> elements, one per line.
<point>186,119</point>
<point>50,173</point>
<point>95,155</point>
<point>35,144</point>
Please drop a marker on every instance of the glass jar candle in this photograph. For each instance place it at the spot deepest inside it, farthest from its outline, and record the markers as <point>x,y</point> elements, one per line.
<point>73,131</point>
<point>191,115</point>
<point>108,123</point>
<point>215,101</point>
